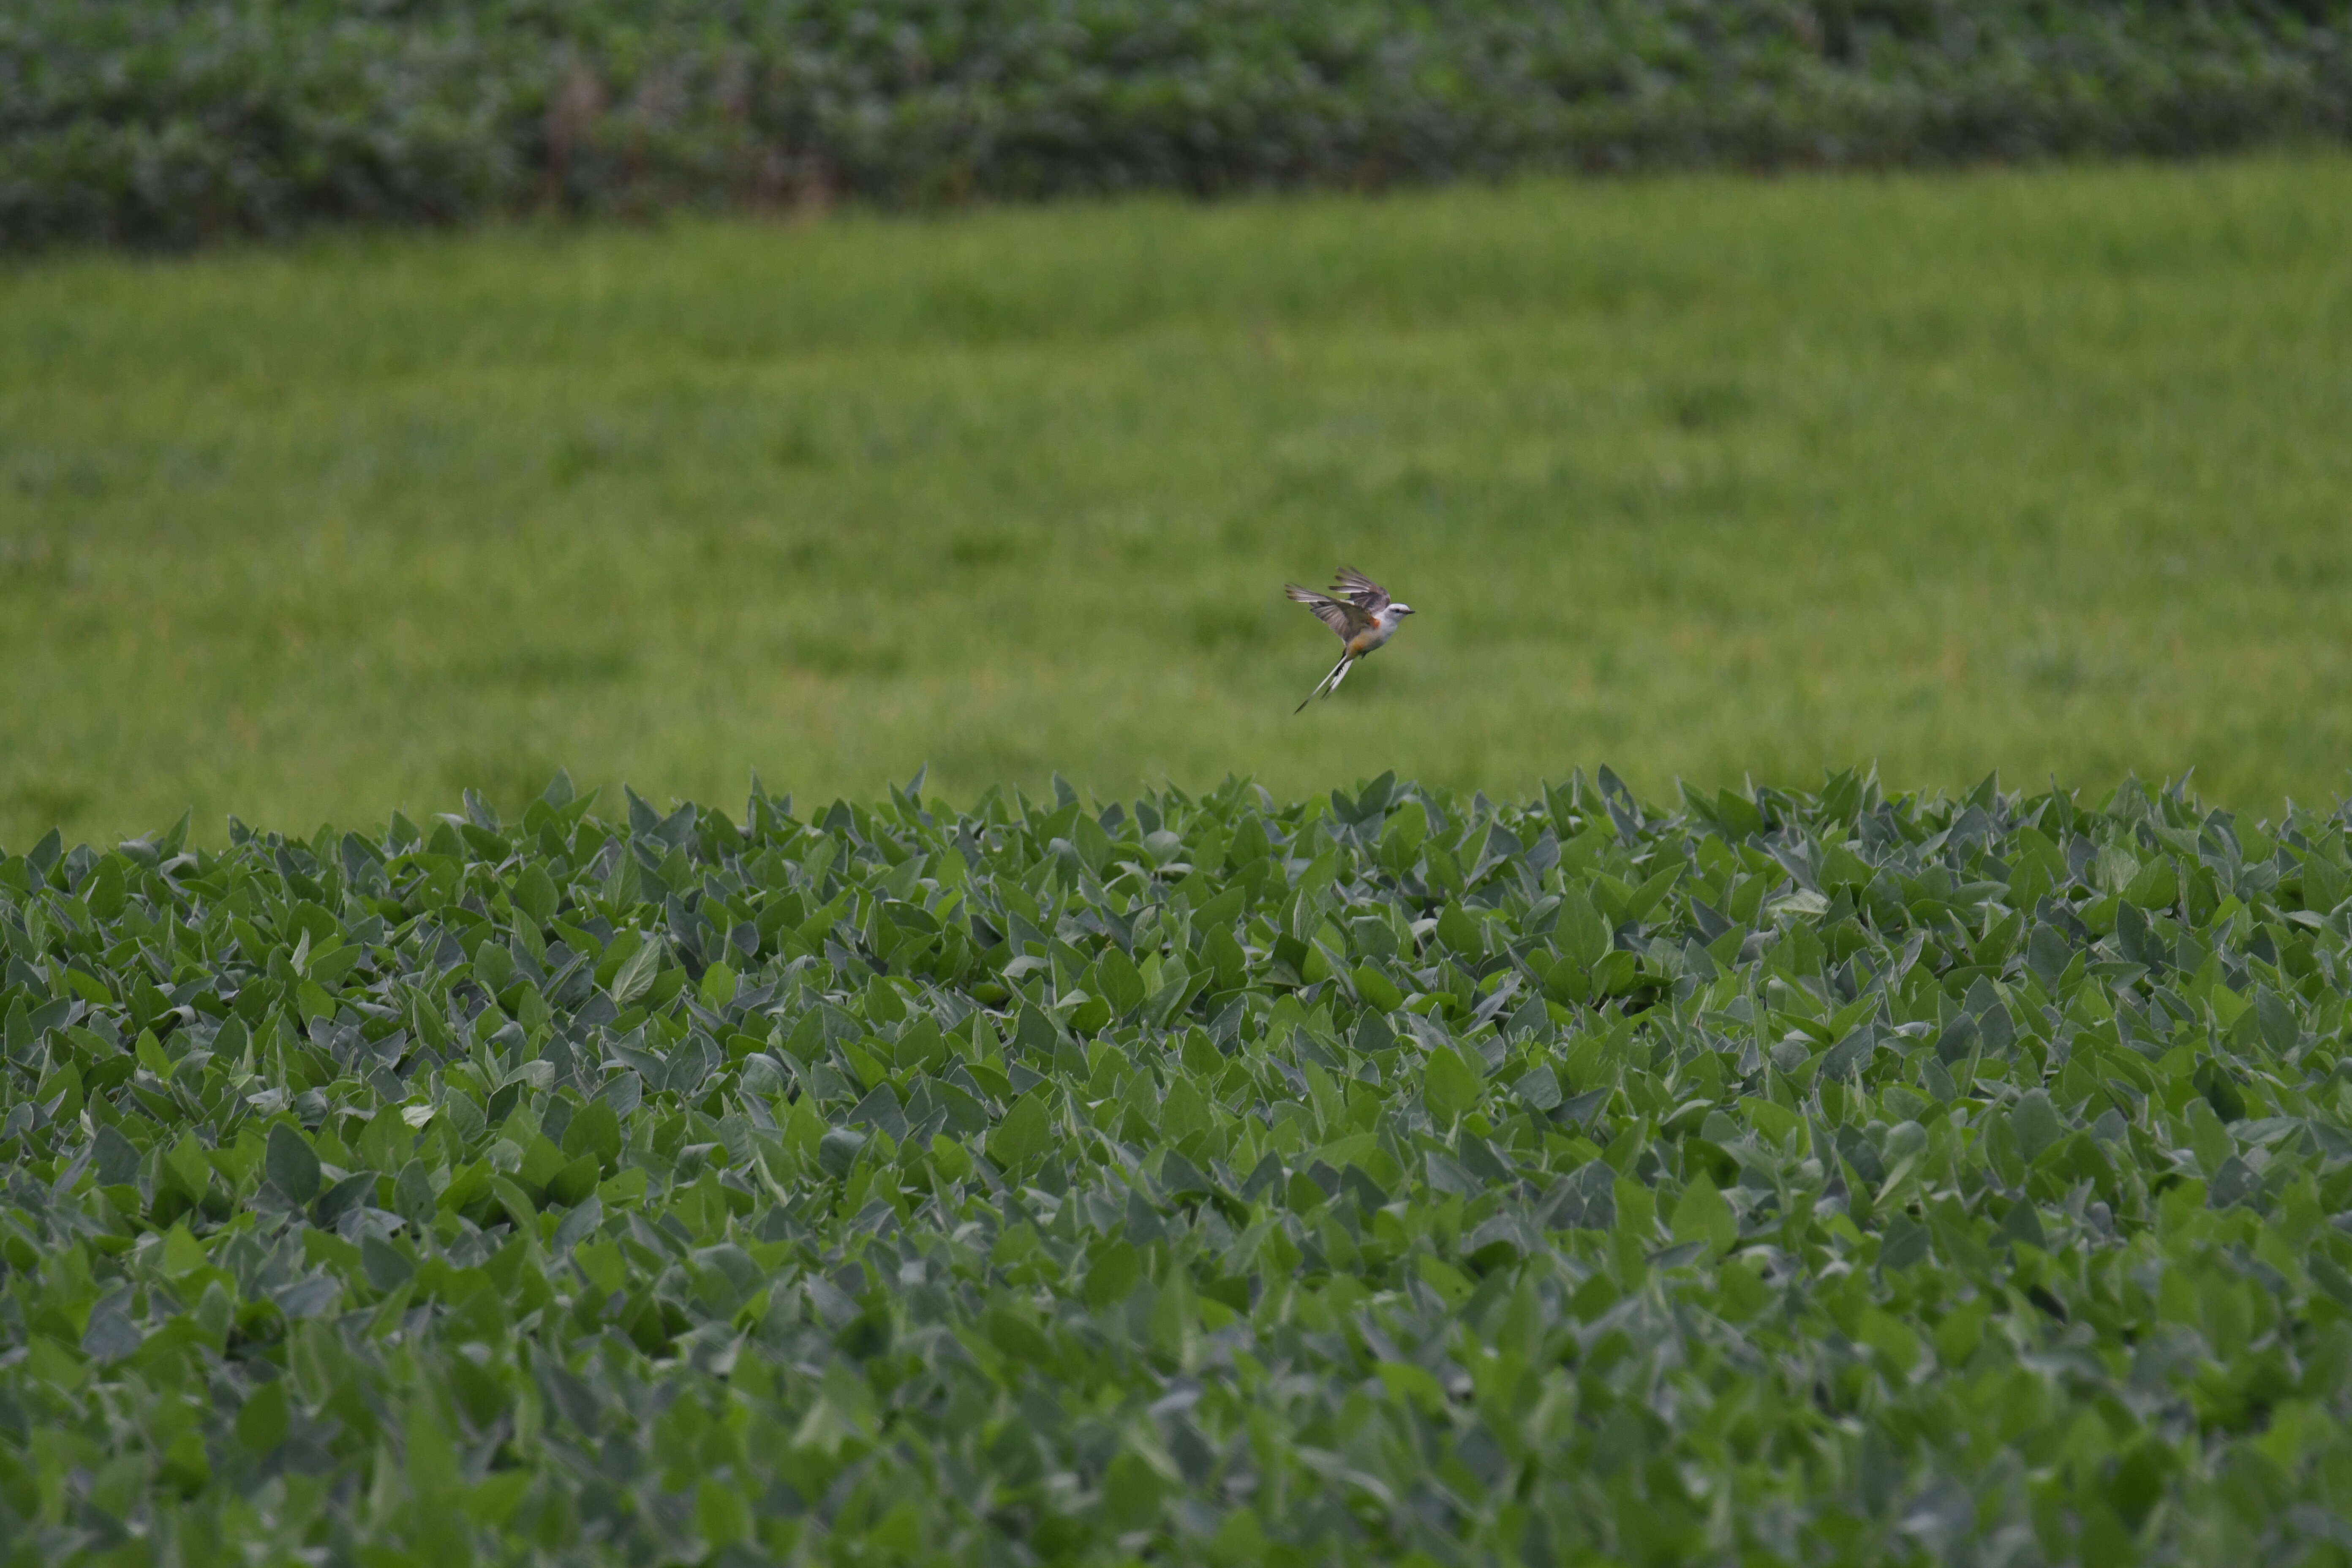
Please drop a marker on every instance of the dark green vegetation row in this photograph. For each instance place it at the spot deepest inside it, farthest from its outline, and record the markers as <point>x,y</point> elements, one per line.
<point>167,121</point>
<point>1785,1179</point>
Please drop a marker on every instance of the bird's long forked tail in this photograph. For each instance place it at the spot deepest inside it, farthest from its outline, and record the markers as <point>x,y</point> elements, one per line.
<point>1327,685</point>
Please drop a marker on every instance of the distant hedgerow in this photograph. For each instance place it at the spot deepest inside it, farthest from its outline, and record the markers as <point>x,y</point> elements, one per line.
<point>1782,1178</point>
<point>171,121</point>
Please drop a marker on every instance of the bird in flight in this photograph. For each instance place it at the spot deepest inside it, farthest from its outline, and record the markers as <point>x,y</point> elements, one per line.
<point>1359,609</point>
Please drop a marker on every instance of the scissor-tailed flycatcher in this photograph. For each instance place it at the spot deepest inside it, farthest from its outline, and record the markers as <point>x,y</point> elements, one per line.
<point>1357,609</point>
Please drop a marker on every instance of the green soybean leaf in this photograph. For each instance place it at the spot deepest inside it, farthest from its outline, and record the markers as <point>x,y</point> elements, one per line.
<point>635,975</point>
<point>1022,1136</point>
<point>290,1164</point>
<point>595,1134</point>
<point>1449,1086</point>
<point>2033,1121</point>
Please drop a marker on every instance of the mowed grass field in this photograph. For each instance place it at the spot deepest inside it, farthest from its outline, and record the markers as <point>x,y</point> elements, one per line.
<point>2048,472</point>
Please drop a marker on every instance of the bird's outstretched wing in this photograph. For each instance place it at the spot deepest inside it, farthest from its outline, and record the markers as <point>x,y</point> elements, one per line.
<point>1343,618</point>
<point>1360,591</point>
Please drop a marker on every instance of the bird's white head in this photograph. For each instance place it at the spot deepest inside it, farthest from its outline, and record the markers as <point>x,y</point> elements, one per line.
<point>1399,612</point>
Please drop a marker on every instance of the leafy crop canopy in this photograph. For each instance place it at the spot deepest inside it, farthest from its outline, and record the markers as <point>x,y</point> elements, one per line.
<point>170,121</point>
<point>1781,1178</point>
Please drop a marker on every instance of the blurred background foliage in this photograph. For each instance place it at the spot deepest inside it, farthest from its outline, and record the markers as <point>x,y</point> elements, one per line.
<point>171,121</point>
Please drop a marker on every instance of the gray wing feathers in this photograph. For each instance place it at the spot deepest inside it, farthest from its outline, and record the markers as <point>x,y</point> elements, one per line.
<point>1344,618</point>
<point>1360,591</point>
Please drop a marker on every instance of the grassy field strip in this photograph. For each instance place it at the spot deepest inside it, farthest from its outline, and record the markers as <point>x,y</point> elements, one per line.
<point>2030,470</point>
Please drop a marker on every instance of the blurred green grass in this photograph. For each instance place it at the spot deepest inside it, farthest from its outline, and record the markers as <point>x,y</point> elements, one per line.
<point>2039,471</point>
